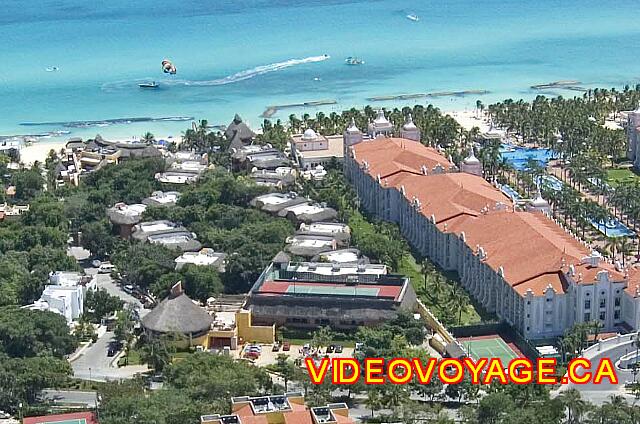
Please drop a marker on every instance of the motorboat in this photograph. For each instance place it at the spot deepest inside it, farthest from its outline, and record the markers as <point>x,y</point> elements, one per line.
<point>413,17</point>
<point>151,84</point>
<point>354,61</point>
<point>52,69</point>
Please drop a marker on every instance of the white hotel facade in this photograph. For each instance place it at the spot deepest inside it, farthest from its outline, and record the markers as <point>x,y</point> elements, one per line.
<point>519,264</point>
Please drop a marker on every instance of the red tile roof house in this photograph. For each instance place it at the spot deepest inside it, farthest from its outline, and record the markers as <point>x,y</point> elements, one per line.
<point>73,418</point>
<point>520,265</point>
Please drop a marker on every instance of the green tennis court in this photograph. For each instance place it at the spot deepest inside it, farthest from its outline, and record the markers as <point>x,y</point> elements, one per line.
<point>489,348</point>
<point>76,421</point>
<point>336,291</point>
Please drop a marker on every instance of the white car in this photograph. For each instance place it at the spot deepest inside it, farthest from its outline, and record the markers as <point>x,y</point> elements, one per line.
<point>106,268</point>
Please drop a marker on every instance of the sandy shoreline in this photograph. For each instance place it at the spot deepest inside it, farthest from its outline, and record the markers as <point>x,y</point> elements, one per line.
<point>39,151</point>
<point>469,119</point>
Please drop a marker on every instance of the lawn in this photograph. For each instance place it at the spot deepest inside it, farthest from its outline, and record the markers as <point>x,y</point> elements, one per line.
<point>132,358</point>
<point>621,175</point>
<point>411,269</point>
<point>301,337</point>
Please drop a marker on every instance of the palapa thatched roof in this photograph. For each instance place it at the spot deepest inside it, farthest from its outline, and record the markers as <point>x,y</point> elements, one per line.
<point>238,133</point>
<point>177,314</point>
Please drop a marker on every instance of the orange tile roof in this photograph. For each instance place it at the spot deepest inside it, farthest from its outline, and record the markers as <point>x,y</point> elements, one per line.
<point>387,156</point>
<point>530,248</point>
<point>298,417</point>
<point>634,282</point>
<point>446,196</point>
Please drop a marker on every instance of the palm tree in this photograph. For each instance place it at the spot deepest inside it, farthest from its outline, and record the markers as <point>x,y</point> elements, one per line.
<point>458,301</point>
<point>148,138</point>
<point>427,269</point>
<point>374,399</point>
<point>624,247</point>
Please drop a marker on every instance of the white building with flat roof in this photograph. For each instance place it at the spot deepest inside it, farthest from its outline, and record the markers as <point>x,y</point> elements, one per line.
<point>312,150</point>
<point>162,198</point>
<point>205,257</point>
<point>67,301</point>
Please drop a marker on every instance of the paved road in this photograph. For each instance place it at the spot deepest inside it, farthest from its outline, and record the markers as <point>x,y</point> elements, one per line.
<point>70,397</point>
<point>94,364</point>
<point>104,281</point>
<point>599,393</point>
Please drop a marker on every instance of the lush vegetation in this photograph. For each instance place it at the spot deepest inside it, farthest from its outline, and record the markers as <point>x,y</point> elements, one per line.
<point>32,349</point>
<point>199,384</point>
<point>383,242</point>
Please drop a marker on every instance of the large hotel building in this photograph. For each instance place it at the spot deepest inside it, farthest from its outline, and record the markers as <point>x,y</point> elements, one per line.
<point>513,259</point>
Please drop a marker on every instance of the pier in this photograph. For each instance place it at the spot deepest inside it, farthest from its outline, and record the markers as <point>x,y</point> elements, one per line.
<point>272,110</point>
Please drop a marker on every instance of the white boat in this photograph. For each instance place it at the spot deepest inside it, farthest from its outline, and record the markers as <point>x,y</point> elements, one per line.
<point>353,61</point>
<point>413,17</point>
<point>151,84</point>
<point>52,69</point>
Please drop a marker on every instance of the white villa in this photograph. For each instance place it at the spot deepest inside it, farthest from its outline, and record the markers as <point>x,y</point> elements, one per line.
<point>519,264</point>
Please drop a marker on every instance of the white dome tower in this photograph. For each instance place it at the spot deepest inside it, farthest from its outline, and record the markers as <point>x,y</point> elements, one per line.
<point>471,164</point>
<point>409,130</point>
<point>380,127</point>
<point>352,135</point>
<point>539,204</point>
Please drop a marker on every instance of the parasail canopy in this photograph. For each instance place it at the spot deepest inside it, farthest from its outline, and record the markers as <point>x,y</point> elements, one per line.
<point>168,67</point>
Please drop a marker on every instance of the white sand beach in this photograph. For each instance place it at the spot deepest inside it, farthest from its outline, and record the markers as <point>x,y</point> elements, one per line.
<point>469,119</point>
<point>39,151</point>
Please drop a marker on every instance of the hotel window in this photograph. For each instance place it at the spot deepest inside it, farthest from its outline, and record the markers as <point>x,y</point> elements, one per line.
<point>603,303</point>
<point>587,317</point>
<point>587,304</point>
<point>617,301</point>
<point>602,316</point>
<point>616,315</point>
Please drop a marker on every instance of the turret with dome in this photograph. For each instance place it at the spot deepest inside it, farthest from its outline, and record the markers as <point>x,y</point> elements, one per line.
<point>309,135</point>
<point>539,204</point>
<point>380,127</point>
<point>471,164</point>
<point>409,130</point>
<point>352,135</point>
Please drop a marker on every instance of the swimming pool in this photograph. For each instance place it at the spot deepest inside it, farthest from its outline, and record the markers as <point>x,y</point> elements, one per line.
<point>506,189</point>
<point>550,181</point>
<point>518,157</point>
<point>612,228</point>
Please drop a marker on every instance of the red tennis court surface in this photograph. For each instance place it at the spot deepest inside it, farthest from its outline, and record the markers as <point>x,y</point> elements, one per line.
<point>274,288</point>
<point>75,418</point>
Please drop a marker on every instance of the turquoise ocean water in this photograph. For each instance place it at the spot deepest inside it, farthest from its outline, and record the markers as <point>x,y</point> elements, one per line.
<point>243,55</point>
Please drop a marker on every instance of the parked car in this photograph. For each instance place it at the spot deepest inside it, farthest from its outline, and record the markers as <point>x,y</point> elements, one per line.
<point>251,354</point>
<point>96,263</point>
<point>331,348</point>
<point>106,268</point>
<point>276,347</point>
<point>338,348</point>
<point>128,288</point>
<point>286,346</point>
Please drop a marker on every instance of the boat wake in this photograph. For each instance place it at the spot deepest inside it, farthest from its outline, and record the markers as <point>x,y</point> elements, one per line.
<point>230,79</point>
